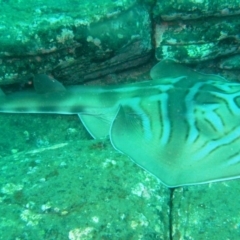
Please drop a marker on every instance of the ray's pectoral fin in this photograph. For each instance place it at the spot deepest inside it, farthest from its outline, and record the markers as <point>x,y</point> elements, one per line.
<point>176,162</point>
<point>97,125</point>
<point>127,136</point>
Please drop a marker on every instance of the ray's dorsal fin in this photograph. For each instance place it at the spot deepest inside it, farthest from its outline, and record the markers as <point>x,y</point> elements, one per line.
<point>46,84</point>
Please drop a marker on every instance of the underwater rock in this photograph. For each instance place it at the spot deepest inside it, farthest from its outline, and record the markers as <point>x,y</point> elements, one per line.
<point>77,41</point>
<point>196,31</point>
<point>232,62</point>
<point>83,40</point>
<point>192,41</point>
<point>193,9</point>
<point>198,211</point>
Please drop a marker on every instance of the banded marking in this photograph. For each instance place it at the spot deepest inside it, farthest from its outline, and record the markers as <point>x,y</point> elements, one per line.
<point>230,101</point>
<point>162,99</point>
<point>213,145</point>
<point>166,125</point>
<point>190,111</point>
<point>146,122</point>
<point>233,160</point>
<point>210,116</point>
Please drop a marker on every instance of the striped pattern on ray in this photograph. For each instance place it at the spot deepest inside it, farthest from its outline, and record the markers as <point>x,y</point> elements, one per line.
<point>182,126</point>
<point>188,133</point>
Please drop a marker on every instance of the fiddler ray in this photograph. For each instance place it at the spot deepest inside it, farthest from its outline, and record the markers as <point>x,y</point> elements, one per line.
<point>181,126</point>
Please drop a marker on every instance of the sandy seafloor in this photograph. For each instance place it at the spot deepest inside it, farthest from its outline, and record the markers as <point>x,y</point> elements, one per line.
<point>58,183</point>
